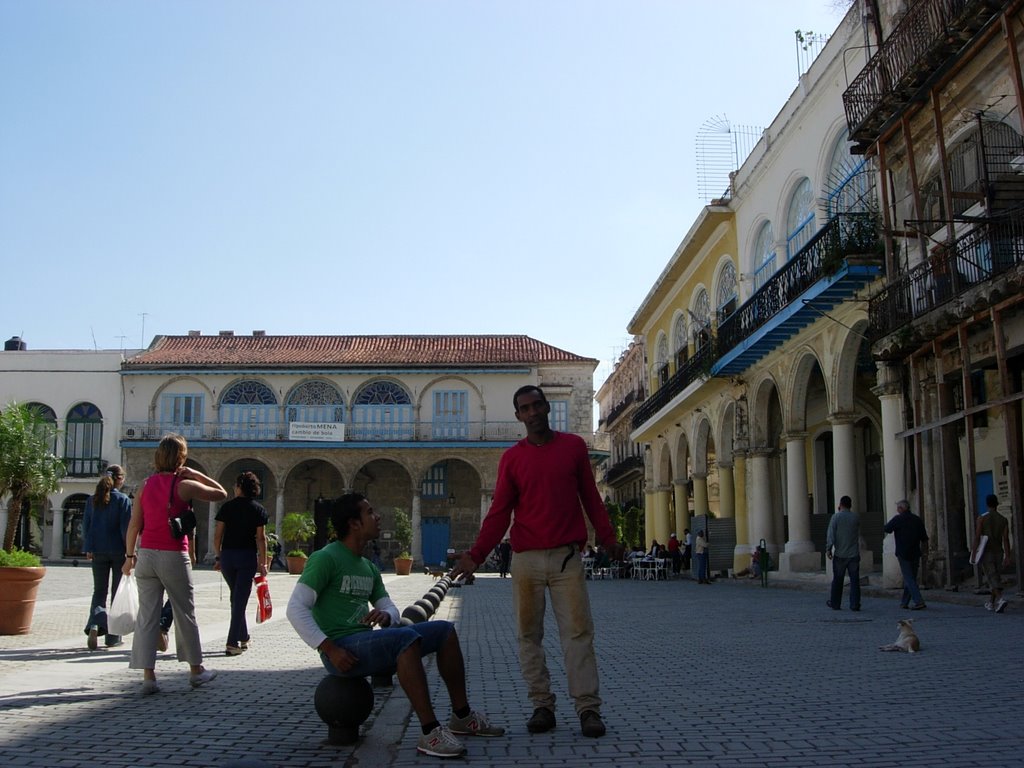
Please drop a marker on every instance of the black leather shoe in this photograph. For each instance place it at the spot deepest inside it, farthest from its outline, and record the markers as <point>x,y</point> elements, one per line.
<point>543,720</point>
<point>591,724</point>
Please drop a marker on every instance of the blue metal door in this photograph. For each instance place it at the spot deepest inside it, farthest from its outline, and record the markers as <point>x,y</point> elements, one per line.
<point>436,535</point>
<point>983,487</point>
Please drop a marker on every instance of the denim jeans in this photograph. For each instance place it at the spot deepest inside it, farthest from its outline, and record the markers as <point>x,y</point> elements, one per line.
<point>840,567</point>
<point>238,567</point>
<point>106,570</point>
<point>378,650</point>
<point>910,589</point>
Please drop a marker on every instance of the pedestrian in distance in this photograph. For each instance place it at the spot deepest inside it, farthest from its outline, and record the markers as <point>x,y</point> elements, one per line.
<point>545,484</point>
<point>240,545</point>
<point>687,549</point>
<point>700,557</point>
<point>504,558</point>
<point>330,610</point>
<point>107,513</point>
<point>164,562</point>
<point>842,547</point>
<point>909,532</point>
<point>992,535</point>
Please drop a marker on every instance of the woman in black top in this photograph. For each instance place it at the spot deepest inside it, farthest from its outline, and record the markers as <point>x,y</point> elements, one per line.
<point>241,546</point>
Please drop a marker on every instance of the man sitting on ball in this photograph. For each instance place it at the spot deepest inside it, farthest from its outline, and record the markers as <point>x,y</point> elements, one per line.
<point>329,609</point>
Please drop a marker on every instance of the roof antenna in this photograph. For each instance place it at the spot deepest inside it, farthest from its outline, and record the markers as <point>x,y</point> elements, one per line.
<point>142,338</point>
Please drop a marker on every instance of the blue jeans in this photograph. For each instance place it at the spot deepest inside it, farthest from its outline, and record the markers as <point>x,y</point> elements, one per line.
<point>701,561</point>
<point>910,589</point>
<point>377,650</point>
<point>840,567</point>
<point>238,566</point>
<point>106,570</point>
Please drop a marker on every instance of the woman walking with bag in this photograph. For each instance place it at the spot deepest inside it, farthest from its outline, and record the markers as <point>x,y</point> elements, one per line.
<point>163,557</point>
<point>107,513</point>
<point>241,546</point>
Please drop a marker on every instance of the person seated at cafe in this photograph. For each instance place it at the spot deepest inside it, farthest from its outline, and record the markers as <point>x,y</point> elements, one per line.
<point>655,551</point>
<point>601,558</point>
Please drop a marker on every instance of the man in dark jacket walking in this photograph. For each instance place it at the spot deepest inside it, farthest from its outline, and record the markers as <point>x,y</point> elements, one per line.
<point>909,533</point>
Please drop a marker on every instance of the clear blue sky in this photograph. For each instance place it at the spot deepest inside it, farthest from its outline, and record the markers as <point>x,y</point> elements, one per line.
<point>458,166</point>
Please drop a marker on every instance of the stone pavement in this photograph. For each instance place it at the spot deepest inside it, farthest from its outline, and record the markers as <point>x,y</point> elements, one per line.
<point>725,675</point>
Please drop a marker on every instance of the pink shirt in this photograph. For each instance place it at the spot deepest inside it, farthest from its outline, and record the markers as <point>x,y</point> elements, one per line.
<point>156,532</point>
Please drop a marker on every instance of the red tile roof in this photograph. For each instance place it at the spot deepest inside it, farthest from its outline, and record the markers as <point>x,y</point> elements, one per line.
<point>347,351</point>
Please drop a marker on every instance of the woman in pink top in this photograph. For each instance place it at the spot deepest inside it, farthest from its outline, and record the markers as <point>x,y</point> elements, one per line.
<point>162,561</point>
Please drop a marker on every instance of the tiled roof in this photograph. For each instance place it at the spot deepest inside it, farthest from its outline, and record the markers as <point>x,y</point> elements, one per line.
<point>260,351</point>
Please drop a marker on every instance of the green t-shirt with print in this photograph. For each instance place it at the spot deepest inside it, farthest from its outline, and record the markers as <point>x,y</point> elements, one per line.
<point>345,584</point>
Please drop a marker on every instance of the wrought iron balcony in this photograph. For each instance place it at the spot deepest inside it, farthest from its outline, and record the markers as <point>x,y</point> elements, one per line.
<point>622,405</point>
<point>836,263</point>
<point>990,248</point>
<point>400,432</point>
<point>925,40</point>
<point>627,466</point>
<point>839,260</point>
<point>697,366</point>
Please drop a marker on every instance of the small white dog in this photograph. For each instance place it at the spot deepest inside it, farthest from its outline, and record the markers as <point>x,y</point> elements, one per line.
<point>907,640</point>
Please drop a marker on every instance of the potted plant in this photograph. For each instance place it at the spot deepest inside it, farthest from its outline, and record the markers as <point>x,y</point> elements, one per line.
<point>28,470</point>
<point>297,529</point>
<point>403,537</point>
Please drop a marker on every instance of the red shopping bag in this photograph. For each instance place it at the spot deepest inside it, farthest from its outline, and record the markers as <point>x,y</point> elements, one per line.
<point>264,608</point>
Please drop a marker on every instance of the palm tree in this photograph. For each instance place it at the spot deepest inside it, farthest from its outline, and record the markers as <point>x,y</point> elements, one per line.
<point>28,467</point>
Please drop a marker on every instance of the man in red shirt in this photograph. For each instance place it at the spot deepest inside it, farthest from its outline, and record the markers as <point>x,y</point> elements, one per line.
<point>546,479</point>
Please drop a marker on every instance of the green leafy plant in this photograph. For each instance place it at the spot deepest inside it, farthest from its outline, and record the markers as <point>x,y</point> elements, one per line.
<point>297,553</point>
<point>298,529</point>
<point>18,558</point>
<point>403,532</point>
<point>28,467</point>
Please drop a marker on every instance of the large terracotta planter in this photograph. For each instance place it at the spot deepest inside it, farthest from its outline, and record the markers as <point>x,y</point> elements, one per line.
<point>295,564</point>
<point>18,588</point>
<point>403,566</point>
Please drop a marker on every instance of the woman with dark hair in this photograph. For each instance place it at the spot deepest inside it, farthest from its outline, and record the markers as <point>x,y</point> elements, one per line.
<point>107,513</point>
<point>240,542</point>
<point>162,561</point>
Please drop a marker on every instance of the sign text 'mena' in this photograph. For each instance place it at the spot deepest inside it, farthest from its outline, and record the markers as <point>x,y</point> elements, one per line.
<point>331,432</point>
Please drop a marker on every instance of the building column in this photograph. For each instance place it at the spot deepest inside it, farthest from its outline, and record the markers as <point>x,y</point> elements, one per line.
<point>682,506</point>
<point>759,499</point>
<point>649,503</point>
<point>890,396</point>
<point>56,531</point>
<point>211,526</point>
<point>485,505</point>
<point>417,532</point>
<point>726,491</point>
<point>844,461</point>
<point>700,494</point>
<point>741,555</point>
<point>279,513</point>
<point>799,554</point>
<point>661,513</point>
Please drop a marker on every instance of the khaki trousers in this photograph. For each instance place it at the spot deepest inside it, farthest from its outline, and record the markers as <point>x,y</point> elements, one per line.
<point>560,572</point>
<point>155,571</point>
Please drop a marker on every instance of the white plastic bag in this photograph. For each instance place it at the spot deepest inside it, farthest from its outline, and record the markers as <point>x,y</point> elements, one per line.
<point>124,608</point>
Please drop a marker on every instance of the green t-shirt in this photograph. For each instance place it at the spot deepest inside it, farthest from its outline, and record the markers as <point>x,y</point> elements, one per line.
<point>345,585</point>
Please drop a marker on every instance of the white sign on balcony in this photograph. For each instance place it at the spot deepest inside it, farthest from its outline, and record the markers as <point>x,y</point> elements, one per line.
<point>328,431</point>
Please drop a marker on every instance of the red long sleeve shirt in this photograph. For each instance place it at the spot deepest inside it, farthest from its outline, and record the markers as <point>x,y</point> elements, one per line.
<point>545,485</point>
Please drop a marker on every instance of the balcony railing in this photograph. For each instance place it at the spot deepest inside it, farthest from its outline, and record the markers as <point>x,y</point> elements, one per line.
<point>698,365</point>
<point>623,404</point>
<point>623,468</point>
<point>845,235</point>
<point>926,37</point>
<point>990,248</point>
<point>470,431</point>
